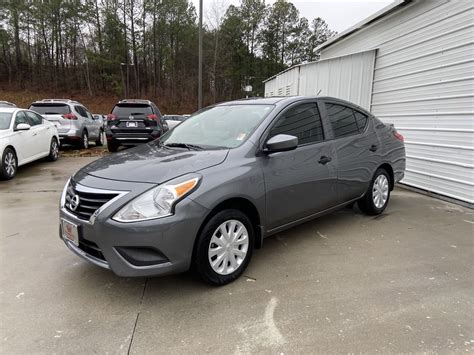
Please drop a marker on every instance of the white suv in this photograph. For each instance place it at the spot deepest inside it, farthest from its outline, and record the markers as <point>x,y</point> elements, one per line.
<point>75,123</point>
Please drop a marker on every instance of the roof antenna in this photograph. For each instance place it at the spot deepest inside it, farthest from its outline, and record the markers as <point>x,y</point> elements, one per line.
<point>319,92</point>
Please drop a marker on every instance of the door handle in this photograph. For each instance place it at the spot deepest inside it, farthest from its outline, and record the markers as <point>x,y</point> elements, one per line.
<point>373,148</point>
<point>324,160</point>
<point>34,134</point>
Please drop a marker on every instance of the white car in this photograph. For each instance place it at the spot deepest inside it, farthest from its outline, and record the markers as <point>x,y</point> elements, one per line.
<point>25,136</point>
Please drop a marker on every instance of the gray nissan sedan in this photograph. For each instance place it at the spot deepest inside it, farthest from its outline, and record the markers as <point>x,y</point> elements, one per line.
<point>207,193</point>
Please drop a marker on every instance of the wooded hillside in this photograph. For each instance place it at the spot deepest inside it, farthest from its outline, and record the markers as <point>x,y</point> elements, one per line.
<point>149,48</point>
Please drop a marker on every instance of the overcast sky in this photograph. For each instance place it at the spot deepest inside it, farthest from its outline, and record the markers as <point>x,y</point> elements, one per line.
<point>339,14</point>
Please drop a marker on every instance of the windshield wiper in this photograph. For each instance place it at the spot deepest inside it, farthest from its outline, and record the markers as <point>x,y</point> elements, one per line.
<point>184,145</point>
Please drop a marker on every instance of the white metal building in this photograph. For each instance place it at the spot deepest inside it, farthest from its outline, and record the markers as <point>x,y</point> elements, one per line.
<point>410,64</point>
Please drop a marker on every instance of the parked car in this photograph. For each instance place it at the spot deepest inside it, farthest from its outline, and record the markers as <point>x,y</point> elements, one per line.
<point>25,136</point>
<point>74,121</point>
<point>208,192</point>
<point>100,118</point>
<point>133,122</point>
<point>174,120</point>
<point>7,104</point>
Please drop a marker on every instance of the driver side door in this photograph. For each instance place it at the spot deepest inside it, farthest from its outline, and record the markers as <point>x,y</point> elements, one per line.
<point>301,182</point>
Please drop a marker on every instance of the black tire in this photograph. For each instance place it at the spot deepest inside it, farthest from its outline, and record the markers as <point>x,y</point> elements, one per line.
<point>201,258</point>
<point>84,143</point>
<point>7,170</point>
<point>367,203</point>
<point>53,150</point>
<point>112,147</point>
<point>100,140</point>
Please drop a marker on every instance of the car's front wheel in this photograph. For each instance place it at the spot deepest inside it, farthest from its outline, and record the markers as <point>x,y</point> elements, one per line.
<point>224,247</point>
<point>53,150</point>
<point>112,147</point>
<point>376,198</point>
<point>9,164</point>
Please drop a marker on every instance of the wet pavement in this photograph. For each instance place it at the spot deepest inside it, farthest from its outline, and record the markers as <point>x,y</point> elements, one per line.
<point>399,282</point>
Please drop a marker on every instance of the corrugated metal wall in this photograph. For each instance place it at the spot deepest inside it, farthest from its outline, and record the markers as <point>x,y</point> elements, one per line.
<point>348,77</point>
<point>424,84</point>
<point>284,84</point>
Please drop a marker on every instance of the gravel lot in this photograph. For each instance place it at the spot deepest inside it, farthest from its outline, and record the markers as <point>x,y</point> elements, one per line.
<point>400,282</point>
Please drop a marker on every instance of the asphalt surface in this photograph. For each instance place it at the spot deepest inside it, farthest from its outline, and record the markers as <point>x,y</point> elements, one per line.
<point>400,282</point>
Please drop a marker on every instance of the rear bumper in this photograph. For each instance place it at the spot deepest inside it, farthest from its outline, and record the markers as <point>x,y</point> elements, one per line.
<point>132,138</point>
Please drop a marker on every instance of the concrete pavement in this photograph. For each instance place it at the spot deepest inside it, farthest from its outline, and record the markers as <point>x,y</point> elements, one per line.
<point>399,282</point>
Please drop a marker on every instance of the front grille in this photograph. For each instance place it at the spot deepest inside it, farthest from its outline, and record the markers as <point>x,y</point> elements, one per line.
<point>89,201</point>
<point>91,248</point>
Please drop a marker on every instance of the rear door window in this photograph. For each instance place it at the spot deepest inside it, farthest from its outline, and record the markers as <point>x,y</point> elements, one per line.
<point>302,121</point>
<point>342,120</point>
<point>81,111</point>
<point>50,109</point>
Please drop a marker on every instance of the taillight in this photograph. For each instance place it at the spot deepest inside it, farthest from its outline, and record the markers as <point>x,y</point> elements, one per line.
<point>70,116</point>
<point>111,117</point>
<point>399,136</point>
<point>152,117</point>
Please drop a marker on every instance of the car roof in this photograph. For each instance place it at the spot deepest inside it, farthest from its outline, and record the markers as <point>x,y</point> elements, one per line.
<point>10,109</point>
<point>135,101</point>
<point>285,100</point>
<point>62,101</point>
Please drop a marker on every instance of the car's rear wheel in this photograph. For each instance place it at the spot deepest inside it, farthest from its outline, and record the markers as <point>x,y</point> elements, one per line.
<point>84,140</point>
<point>112,147</point>
<point>100,140</point>
<point>377,196</point>
<point>224,247</point>
<point>9,164</point>
<point>53,150</point>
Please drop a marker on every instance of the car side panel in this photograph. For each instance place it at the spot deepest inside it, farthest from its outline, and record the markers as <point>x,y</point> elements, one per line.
<point>236,177</point>
<point>356,163</point>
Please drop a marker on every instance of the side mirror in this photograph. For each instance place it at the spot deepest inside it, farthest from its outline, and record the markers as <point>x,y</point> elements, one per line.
<point>281,143</point>
<point>22,127</point>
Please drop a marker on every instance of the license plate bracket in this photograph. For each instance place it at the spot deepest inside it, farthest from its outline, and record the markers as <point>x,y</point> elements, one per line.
<point>70,231</point>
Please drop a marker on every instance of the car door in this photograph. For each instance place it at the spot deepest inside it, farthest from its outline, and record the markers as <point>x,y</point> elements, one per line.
<point>93,124</point>
<point>23,141</point>
<point>41,134</point>
<point>82,116</point>
<point>356,145</point>
<point>301,182</point>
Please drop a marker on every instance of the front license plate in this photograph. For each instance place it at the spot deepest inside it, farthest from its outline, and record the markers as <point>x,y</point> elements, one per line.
<point>70,231</point>
<point>131,124</point>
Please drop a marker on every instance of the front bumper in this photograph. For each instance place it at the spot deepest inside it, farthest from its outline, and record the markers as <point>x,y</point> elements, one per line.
<point>149,248</point>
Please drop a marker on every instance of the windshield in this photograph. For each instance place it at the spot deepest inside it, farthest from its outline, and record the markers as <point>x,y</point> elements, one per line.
<point>50,109</point>
<point>219,126</point>
<point>5,118</point>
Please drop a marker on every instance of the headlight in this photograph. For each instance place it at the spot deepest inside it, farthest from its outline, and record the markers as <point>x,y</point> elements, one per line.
<point>157,202</point>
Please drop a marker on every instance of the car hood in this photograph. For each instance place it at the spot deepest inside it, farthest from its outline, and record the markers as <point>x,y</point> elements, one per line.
<point>152,163</point>
<point>5,133</point>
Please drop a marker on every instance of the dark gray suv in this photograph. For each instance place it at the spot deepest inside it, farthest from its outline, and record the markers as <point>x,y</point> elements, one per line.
<point>209,191</point>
